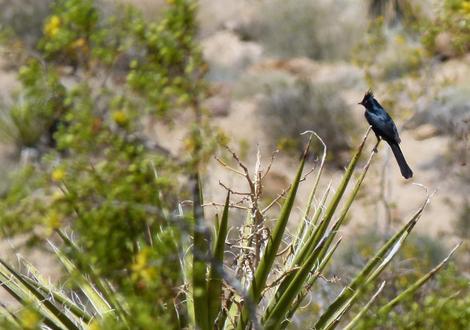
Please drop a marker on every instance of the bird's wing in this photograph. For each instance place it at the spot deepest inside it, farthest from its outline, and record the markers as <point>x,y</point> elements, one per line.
<point>395,132</point>
<point>383,125</point>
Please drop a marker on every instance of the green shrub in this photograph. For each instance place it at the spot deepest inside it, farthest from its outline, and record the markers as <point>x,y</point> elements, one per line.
<point>448,34</point>
<point>443,303</point>
<point>39,104</point>
<point>100,176</point>
<point>428,309</point>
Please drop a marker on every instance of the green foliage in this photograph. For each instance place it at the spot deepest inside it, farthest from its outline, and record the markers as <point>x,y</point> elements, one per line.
<point>443,303</point>
<point>39,104</point>
<point>462,228</point>
<point>425,309</point>
<point>448,34</point>
<point>96,172</point>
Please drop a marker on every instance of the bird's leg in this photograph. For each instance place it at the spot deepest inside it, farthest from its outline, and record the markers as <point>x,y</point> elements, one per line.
<point>377,144</point>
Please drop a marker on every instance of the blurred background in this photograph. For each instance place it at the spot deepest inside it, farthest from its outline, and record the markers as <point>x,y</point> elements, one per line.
<point>274,69</point>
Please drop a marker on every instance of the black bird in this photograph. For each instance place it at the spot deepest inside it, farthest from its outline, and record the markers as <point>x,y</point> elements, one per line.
<point>384,127</point>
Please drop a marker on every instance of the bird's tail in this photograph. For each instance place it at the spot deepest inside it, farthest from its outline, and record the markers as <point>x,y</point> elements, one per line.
<point>404,168</point>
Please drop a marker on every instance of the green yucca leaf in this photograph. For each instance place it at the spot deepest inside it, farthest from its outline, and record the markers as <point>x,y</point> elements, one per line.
<point>200,257</point>
<point>362,312</point>
<point>186,262</point>
<point>38,281</point>
<point>373,268</point>
<point>277,315</point>
<point>9,317</point>
<point>418,284</point>
<point>309,283</point>
<point>349,201</point>
<point>267,260</point>
<point>100,305</point>
<point>97,290</point>
<point>44,285</point>
<point>62,299</point>
<point>313,237</point>
<point>307,244</point>
<point>43,304</point>
<point>318,233</point>
<point>306,215</point>
<point>215,276</point>
<point>333,204</point>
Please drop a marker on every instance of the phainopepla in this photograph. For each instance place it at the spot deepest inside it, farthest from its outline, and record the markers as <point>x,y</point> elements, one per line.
<point>384,127</point>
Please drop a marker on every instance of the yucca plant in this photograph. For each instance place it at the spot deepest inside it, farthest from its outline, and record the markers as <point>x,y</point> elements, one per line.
<point>261,286</point>
<point>270,274</point>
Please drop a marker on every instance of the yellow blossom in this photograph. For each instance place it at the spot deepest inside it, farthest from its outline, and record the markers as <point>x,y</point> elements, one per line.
<point>52,26</point>
<point>52,220</point>
<point>141,270</point>
<point>94,326</point>
<point>465,8</point>
<point>29,319</point>
<point>79,43</point>
<point>400,40</point>
<point>57,195</point>
<point>58,174</point>
<point>120,118</point>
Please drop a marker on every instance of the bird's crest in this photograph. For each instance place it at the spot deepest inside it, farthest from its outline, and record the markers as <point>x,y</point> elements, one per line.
<point>369,94</point>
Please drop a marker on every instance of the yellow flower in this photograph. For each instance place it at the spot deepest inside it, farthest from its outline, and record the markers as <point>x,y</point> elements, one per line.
<point>29,319</point>
<point>57,195</point>
<point>79,43</point>
<point>58,174</point>
<point>465,8</point>
<point>141,270</point>
<point>120,118</point>
<point>52,220</point>
<point>94,326</point>
<point>52,26</point>
<point>400,40</point>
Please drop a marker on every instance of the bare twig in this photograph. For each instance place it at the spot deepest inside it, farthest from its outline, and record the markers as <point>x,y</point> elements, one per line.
<point>273,156</point>
<point>221,162</point>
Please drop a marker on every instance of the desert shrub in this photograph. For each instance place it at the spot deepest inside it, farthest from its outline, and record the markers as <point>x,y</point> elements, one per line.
<point>449,113</point>
<point>462,225</point>
<point>395,12</point>
<point>388,54</point>
<point>402,58</point>
<point>97,174</point>
<point>448,34</point>
<point>304,28</point>
<point>442,303</point>
<point>443,300</point>
<point>39,103</point>
<point>292,106</point>
<point>24,19</point>
<point>422,250</point>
